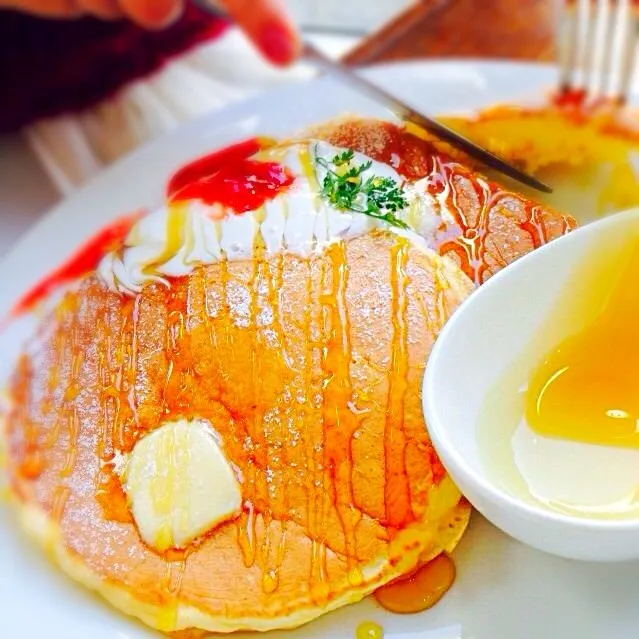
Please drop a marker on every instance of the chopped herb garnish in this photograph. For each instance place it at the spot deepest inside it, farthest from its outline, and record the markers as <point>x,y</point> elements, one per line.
<point>377,196</point>
<point>343,158</point>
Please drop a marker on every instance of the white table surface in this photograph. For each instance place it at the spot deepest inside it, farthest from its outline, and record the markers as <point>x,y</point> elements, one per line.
<point>25,190</point>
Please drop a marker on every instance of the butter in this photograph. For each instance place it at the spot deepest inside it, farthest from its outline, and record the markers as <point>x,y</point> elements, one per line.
<point>180,485</point>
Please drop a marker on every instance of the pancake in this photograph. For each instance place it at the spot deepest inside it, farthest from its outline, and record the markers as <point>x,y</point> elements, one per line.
<point>587,155</point>
<point>220,427</point>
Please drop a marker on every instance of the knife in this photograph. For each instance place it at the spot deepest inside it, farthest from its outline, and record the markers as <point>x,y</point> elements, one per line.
<point>401,110</point>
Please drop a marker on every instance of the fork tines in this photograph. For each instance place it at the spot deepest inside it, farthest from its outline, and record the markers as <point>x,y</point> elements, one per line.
<point>597,49</point>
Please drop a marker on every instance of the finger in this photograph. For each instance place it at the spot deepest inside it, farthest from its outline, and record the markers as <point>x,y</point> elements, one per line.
<point>105,9</point>
<point>268,25</point>
<point>49,8</point>
<point>152,14</point>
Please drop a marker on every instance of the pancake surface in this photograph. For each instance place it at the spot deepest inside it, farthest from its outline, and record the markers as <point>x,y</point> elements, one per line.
<point>307,371</point>
<point>313,468</point>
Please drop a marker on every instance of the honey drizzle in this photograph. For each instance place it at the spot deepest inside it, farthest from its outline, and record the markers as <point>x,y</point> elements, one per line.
<point>210,327</point>
<point>396,489</point>
<point>67,411</point>
<point>176,215</point>
<point>467,240</point>
<point>32,464</point>
<point>72,451</point>
<point>107,396</point>
<point>340,422</point>
<point>280,551</point>
<point>109,491</point>
<point>274,551</point>
<point>308,170</point>
<point>267,280</point>
<point>472,239</point>
<point>179,366</point>
<point>59,347</point>
<point>319,586</point>
<point>176,566</point>
<point>171,585</point>
<point>315,449</point>
<point>274,557</point>
<point>247,532</point>
<point>167,619</point>
<point>60,497</point>
<point>312,448</point>
<point>122,416</point>
<point>58,343</point>
<point>534,226</point>
<point>225,278</point>
<point>245,525</point>
<point>131,371</point>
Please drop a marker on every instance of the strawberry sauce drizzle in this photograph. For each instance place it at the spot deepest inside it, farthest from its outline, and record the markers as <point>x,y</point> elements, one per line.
<point>231,178</point>
<point>83,261</point>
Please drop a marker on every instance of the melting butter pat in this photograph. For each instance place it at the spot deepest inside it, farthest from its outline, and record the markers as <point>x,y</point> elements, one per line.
<point>179,484</point>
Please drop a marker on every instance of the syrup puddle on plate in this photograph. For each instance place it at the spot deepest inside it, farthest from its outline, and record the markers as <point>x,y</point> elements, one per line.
<point>420,590</point>
<point>369,630</point>
<point>412,593</point>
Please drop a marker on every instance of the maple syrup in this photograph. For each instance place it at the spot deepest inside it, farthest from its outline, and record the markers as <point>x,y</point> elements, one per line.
<point>369,630</point>
<point>586,388</point>
<point>420,590</point>
<point>560,427</point>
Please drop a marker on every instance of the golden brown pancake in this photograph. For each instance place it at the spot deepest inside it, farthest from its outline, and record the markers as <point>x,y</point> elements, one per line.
<point>308,370</point>
<point>340,497</point>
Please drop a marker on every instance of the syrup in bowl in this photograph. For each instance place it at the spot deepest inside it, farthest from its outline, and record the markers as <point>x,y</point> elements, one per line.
<point>572,428</point>
<point>531,394</point>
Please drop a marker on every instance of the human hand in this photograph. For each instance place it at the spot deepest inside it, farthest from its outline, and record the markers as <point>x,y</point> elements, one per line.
<point>265,21</point>
<point>268,25</point>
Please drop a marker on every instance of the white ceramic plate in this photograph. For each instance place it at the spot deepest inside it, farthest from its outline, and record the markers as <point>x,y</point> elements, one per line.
<point>504,590</point>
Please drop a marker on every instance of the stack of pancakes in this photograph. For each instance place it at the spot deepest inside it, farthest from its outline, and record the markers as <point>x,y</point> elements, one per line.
<point>317,410</point>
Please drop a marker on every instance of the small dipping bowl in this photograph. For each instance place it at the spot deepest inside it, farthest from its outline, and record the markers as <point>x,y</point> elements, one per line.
<point>495,325</point>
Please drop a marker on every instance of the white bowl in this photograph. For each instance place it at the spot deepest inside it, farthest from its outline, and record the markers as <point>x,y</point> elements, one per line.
<point>473,349</point>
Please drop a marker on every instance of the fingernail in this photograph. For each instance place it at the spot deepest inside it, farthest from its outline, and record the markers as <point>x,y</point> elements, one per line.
<point>277,43</point>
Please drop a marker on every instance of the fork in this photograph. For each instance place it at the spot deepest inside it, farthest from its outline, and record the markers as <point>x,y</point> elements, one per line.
<point>597,50</point>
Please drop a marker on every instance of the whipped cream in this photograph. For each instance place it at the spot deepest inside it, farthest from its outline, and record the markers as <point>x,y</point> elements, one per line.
<point>173,240</point>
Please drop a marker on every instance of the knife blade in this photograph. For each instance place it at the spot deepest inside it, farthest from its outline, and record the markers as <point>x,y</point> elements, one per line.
<point>400,109</point>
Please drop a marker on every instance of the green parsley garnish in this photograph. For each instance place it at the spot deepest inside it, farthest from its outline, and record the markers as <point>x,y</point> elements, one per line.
<point>376,196</point>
